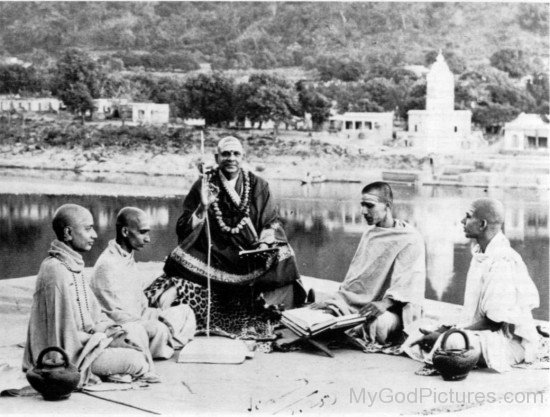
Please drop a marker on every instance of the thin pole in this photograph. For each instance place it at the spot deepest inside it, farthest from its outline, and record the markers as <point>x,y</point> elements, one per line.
<point>121,403</point>
<point>208,253</point>
<point>208,305</point>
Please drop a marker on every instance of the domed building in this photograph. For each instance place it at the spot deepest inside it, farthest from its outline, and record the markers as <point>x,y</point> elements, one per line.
<point>440,127</point>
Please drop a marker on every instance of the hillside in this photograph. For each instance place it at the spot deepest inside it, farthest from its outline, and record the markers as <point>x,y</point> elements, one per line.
<point>241,35</point>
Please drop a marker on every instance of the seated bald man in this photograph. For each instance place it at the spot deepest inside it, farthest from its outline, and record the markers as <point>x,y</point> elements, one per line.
<point>116,282</point>
<point>229,210</point>
<point>65,312</point>
<point>386,279</point>
<point>498,299</point>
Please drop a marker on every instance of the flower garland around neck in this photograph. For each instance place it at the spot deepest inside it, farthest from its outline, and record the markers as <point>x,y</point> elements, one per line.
<point>243,206</point>
<point>77,293</point>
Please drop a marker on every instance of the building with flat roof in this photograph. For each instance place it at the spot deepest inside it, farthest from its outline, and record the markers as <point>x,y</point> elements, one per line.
<point>375,128</point>
<point>106,107</point>
<point>150,113</point>
<point>526,132</point>
<point>38,105</point>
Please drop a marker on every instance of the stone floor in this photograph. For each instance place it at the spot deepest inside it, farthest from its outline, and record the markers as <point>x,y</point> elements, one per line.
<point>302,382</point>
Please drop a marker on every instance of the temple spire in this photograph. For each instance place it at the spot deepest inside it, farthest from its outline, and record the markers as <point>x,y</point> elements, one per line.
<point>440,86</point>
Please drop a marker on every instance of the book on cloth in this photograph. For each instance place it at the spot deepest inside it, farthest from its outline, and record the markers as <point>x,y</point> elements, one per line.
<point>305,321</point>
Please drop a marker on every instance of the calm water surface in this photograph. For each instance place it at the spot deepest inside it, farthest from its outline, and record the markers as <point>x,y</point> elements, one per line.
<point>323,223</point>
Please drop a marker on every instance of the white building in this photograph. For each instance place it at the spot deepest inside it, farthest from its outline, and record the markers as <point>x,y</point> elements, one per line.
<point>526,132</point>
<point>105,107</point>
<point>374,127</point>
<point>194,122</point>
<point>440,127</point>
<point>150,113</point>
<point>247,124</point>
<point>37,105</point>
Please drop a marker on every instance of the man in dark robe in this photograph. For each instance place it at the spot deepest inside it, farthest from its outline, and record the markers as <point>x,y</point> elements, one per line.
<point>233,210</point>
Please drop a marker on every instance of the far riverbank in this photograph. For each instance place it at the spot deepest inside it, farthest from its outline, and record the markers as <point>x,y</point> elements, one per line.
<point>153,161</point>
<point>106,150</point>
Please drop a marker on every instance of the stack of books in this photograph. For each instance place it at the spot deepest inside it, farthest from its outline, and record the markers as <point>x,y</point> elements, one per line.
<point>307,322</point>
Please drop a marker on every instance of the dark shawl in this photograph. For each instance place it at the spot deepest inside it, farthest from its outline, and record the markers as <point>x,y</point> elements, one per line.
<point>228,269</point>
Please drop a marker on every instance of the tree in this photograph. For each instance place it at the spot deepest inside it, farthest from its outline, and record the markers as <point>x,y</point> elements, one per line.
<point>314,103</point>
<point>333,67</point>
<point>493,116</point>
<point>538,88</point>
<point>78,99</point>
<point>415,99</point>
<point>366,104</point>
<point>510,61</point>
<point>264,59</point>
<point>534,17</point>
<point>487,86</point>
<point>456,63</point>
<point>402,76</point>
<point>209,96</point>
<point>511,95</point>
<point>78,81</point>
<point>16,79</point>
<point>350,71</point>
<point>379,70</point>
<point>383,93</point>
<point>167,90</point>
<point>347,95</point>
<point>265,97</point>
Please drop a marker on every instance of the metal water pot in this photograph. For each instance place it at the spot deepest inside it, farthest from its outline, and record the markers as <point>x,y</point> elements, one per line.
<point>54,381</point>
<point>455,364</point>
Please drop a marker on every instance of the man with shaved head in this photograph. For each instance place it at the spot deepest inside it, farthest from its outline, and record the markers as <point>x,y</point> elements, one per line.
<point>387,276</point>
<point>498,299</point>
<point>65,312</point>
<point>117,283</point>
<point>228,211</point>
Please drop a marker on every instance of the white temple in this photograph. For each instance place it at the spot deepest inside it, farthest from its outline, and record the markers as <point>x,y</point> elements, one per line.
<point>440,127</point>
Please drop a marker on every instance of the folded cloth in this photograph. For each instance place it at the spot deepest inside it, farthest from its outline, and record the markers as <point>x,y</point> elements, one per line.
<point>427,370</point>
<point>119,378</point>
<point>542,360</point>
<point>150,378</point>
<point>27,391</point>
<point>373,347</point>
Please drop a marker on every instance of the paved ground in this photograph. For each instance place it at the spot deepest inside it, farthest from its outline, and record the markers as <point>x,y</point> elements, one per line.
<point>277,383</point>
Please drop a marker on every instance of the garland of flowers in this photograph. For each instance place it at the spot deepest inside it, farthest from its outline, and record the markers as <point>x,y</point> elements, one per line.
<point>243,207</point>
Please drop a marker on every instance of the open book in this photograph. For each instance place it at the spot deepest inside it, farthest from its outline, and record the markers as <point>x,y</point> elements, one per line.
<point>308,322</point>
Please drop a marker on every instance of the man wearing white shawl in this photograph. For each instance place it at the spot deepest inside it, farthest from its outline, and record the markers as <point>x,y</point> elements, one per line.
<point>65,312</point>
<point>117,285</point>
<point>498,300</point>
<point>387,276</point>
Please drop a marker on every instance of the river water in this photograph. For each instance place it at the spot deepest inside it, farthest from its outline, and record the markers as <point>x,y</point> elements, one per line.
<point>323,223</point>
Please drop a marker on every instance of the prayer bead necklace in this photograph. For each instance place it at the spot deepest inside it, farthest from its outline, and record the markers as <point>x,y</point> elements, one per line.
<point>78,294</point>
<point>243,207</point>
